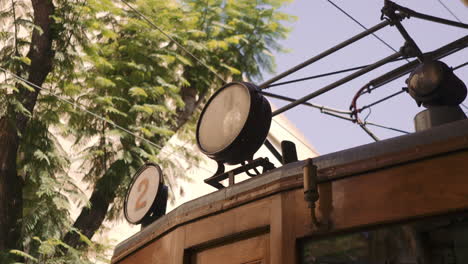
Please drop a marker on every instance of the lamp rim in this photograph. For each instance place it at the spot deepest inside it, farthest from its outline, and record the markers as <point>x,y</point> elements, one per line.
<point>134,179</point>
<point>214,153</point>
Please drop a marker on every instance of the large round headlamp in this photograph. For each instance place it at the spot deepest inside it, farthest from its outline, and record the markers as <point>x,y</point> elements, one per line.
<point>234,123</point>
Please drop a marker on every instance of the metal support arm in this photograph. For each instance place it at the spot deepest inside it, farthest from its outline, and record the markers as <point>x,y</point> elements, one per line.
<point>406,12</point>
<point>338,83</point>
<point>325,53</point>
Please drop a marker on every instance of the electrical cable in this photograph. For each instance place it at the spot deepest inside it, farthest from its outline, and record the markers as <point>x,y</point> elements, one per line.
<point>361,25</point>
<point>386,127</point>
<point>450,11</point>
<point>367,89</point>
<point>321,107</point>
<point>347,119</point>
<point>173,40</point>
<point>83,108</point>
<point>380,100</point>
<point>460,66</point>
<point>317,76</point>
<point>368,114</point>
<point>324,75</point>
<point>324,54</point>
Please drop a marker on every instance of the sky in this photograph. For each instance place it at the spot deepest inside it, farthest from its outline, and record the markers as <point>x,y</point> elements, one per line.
<point>319,26</point>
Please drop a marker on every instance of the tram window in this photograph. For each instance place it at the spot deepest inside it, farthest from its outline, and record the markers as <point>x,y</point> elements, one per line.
<point>435,241</point>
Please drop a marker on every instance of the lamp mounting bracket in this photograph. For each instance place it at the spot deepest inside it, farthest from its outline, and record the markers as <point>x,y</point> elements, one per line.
<point>220,175</point>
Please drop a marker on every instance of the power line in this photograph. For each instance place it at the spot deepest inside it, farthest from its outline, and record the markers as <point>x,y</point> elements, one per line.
<point>323,75</point>
<point>173,40</point>
<point>321,107</point>
<point>324,54</point>
<point>460,66</point>
<point>386,127</point>
<point>316,76</point>
<point>361,25</point>
<point>337,113</point>
<point>380,100</point>
<point>450,11</point>
<point>80,107</point>
<point>83,108</point>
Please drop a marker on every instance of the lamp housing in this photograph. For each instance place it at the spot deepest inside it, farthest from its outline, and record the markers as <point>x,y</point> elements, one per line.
<point>234,123</point>
<point>146,196</point>
<point>433,83</point>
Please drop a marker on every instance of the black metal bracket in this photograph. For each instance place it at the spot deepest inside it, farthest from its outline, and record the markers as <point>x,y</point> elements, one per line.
<point>220,175</point>
<point>311,194</point>
<point>405,12</point>
<point>273,151</point>
<point>389,12</point>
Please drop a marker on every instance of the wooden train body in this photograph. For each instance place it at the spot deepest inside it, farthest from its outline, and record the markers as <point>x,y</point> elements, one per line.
<point>401,200</point>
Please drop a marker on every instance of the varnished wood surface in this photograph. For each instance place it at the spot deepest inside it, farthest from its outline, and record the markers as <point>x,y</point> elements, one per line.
<point>416,179</point>
<point>248,251</point>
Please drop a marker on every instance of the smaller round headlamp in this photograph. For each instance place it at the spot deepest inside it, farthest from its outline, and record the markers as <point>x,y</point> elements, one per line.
<point>234,123</point>
<point>433,83</point>
<point>140,201</point>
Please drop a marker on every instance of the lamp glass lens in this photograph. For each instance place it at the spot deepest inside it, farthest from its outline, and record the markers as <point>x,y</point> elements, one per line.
<point>224,118</point>
<point>143,193</point>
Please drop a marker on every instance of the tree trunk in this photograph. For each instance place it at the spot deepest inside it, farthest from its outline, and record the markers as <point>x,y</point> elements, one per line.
<point>91,218</point>
<point>11,126</point>
<point>11,199</point>
<point>189,96</point>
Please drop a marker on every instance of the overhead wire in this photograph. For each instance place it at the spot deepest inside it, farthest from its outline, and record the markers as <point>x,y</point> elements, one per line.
<point>323,75</point>
<point>450,11</point>
<point>141,15</point>
<point>460,66</point>
<point>368,114</point>
<point>321,107</point>
<point>363,125</point>
<point>317,76</point>
<point>83,108</point>
<point>386,127</point>
<point>361,25</point>
<point>325,110</point>
<point>381,100</point>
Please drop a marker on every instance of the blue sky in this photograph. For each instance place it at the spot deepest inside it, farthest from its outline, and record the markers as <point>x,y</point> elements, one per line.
<point>319,26</point>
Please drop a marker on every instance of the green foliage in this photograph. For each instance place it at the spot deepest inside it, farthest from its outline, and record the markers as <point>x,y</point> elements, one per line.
<point>48,249</point>
<point>116,65</point>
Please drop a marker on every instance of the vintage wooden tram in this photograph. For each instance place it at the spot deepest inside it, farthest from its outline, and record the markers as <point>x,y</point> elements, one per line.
<point>402,200</point>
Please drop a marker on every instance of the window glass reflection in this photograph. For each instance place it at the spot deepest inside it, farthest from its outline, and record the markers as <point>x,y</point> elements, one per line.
<point>440,241</point>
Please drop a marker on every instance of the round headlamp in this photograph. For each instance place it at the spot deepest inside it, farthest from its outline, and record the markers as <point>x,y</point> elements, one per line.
<point>140,201</point>
<point>234,123</point>
<point>434,83</point>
